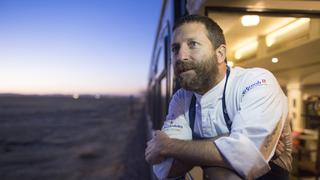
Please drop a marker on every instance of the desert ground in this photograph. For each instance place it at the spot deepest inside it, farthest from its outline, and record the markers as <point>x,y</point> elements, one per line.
<point>61,138</point>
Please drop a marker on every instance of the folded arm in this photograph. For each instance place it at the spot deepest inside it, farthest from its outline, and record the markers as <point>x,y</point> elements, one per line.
<point>188,154</point>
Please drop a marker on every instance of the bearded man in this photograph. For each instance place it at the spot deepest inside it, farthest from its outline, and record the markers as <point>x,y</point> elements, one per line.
<point>236,116</point>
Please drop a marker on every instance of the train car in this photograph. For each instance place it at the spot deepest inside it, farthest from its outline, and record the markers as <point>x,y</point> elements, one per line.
<point>285,40</point>
<point>161,84</point>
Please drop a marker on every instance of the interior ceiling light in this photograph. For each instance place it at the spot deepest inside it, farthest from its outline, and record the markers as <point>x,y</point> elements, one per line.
<point>275,60</point>
<point>246,49</point>
<point>272,37</point>
<point>250,20</point>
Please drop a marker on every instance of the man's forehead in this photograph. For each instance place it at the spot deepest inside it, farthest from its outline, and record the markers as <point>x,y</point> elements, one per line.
<point>192,30</point>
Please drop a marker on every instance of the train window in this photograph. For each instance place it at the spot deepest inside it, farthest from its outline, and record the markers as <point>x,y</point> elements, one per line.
<point>162,62</point>
<point>159,65</point>
<point>163,93</point>
<point>160,83</point>
<point>169,67</point>
<point>156,65</point>
<point>156,118</point>
<point>150,107</point>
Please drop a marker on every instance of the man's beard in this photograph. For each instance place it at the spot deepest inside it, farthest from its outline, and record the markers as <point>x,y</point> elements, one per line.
<point>203,76</point>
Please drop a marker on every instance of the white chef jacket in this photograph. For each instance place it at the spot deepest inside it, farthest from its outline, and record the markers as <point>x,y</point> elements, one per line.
<point>255,104</point>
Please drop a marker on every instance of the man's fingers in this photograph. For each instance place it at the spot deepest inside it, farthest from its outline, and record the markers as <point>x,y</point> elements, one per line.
<point>278,153</point>
<point>281,145</point>
<point>148,155</point>
<point>156,132</point>
<point>279,150</point>
<point>148,158</point>
<point>146,152</point>
<point>151,159</point>
<point>150,142</point>
<point>149,149</point>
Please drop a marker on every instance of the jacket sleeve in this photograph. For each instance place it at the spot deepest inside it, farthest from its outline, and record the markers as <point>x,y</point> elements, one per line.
<point>256,127</point>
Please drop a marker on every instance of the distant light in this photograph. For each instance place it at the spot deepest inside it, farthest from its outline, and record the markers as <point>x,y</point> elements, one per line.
<point>275,60</point>
<point>250,20</point>
<point>75,96</point>
<point>97,96</point>
<point>230,63</point>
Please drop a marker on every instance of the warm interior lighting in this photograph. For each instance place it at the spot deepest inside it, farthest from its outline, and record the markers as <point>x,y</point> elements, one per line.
<point>275,60</point>
<point>284,31</point>
<point>250,20</point>
<point>246,49</point>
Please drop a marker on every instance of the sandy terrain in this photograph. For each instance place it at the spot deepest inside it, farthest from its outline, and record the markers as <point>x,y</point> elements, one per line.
<point>49,138</point>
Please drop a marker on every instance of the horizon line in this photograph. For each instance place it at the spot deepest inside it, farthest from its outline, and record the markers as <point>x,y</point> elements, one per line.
<point>70,94</point>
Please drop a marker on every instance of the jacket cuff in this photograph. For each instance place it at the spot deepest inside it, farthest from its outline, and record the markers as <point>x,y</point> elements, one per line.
<point>242,155</point>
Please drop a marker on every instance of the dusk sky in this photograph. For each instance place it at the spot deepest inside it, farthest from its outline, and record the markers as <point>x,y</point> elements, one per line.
<point>76,46</point>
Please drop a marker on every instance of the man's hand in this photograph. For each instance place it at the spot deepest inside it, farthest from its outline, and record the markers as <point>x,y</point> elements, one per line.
<point>156,147</point>
<point>280,147</point>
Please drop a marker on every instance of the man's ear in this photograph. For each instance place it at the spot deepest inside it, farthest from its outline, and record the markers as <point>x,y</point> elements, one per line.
<point>221,53</point>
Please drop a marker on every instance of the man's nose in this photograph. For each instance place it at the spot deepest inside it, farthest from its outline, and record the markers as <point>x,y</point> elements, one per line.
<point>183,53</point>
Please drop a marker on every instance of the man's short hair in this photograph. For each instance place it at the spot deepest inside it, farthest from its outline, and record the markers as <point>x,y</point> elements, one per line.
<point>215,33</point>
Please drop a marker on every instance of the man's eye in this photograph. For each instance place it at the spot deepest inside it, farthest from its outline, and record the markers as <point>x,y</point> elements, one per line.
<point>193,44</point>
<point>174,49</point>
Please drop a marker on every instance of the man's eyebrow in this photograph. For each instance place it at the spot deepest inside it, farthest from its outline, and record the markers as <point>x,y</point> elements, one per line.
<point>187,39</point>
<point>192,39</point>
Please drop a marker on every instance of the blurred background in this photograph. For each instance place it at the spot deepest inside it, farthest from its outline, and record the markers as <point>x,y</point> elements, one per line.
<point>72,80</point>
<point>84,82</point>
